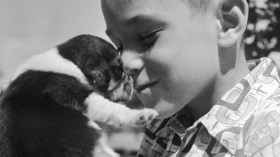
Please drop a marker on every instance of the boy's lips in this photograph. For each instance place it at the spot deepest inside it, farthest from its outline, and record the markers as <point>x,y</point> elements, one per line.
<point>143,86</point>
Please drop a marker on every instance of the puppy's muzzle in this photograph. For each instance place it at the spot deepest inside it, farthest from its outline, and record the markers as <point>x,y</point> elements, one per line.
<point>121,90</point>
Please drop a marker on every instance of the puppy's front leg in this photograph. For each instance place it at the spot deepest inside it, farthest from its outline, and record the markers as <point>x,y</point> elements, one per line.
<point>104,110</point>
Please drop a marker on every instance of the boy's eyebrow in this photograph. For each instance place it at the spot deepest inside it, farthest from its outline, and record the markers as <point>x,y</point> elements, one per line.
<point>135,20</point>
<point>138,19</point>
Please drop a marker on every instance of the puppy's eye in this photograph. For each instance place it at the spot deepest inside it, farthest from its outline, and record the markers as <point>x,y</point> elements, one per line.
<point>120,49</point>
<point>117,74</point>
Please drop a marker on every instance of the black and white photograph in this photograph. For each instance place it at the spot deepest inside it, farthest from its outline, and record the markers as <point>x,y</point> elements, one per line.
<point>140,78</point>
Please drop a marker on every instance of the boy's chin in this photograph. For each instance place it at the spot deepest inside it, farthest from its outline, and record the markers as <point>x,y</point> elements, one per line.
<point>165,109</point>
<point>166,113</point>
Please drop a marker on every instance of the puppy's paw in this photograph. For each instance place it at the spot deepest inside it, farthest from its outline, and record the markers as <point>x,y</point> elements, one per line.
<point>144,116</point>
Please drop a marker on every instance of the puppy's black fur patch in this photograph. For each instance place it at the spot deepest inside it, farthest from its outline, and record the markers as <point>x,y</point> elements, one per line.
<point>104,60</point>
<point>41,112</point>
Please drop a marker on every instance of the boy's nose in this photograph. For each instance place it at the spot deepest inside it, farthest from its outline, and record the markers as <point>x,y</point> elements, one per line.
<point>132,62</point>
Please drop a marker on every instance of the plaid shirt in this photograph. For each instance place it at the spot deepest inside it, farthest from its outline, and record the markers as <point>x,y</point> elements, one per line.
<point>245,122</point>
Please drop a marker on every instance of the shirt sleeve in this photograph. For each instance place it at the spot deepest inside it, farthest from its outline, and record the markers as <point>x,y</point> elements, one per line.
<point>261,133</point>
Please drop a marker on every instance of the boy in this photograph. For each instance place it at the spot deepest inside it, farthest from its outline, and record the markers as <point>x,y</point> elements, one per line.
<point>188,62</point>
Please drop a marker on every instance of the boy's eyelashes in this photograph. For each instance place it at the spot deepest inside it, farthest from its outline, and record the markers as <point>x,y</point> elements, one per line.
<point>148,38</point>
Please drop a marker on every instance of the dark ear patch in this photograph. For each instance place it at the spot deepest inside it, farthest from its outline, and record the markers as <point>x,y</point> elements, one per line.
<point>98,78</point>
<point>94,56</point>
<point>96,71</point>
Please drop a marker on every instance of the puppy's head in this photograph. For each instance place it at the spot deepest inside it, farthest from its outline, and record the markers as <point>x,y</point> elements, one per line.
<point>100,63</point>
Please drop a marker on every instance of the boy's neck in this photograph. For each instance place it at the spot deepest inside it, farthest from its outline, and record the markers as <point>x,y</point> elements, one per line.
<point>232,71</point>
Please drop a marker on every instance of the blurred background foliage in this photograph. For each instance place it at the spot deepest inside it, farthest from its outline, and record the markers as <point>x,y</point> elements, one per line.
<point>263,30</point>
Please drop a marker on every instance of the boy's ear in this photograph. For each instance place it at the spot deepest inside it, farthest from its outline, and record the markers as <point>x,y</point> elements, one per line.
<point>232,21</point>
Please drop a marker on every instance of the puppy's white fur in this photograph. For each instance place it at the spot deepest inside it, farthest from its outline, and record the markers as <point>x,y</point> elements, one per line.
<point>51,61</point>
<point>103,147</point>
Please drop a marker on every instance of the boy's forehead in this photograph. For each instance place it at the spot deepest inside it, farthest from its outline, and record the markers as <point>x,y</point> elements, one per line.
<point>115,4</point>
<point>125,13</point>
<point>119,4</point>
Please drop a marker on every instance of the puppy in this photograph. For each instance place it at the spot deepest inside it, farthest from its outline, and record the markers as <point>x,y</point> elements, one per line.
<point>50,107</point>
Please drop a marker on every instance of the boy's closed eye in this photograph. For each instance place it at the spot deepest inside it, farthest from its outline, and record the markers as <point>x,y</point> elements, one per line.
<point>143,31</point>
<point>149,37</point>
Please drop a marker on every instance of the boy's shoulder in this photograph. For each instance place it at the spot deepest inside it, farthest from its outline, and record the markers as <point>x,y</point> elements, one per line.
<point>261,130</point>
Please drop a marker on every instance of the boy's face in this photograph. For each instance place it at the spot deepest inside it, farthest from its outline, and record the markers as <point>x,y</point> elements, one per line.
<point>172,52</point>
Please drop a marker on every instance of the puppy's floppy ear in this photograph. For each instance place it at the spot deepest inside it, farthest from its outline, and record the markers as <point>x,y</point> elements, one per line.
<point>232,21</point>
<point>99,80</point>
<point>97,77</point>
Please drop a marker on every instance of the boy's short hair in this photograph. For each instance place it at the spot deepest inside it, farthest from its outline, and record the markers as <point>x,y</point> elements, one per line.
<point>199,6</point>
